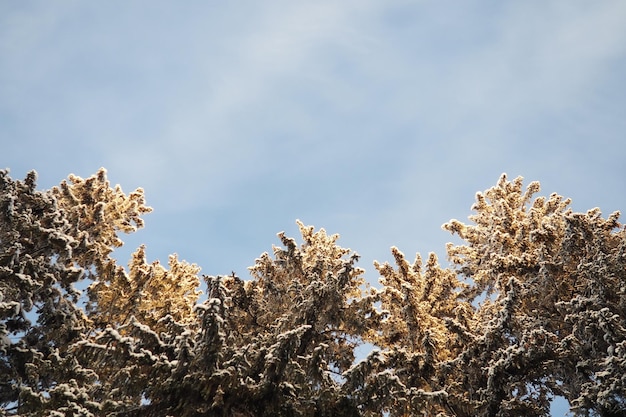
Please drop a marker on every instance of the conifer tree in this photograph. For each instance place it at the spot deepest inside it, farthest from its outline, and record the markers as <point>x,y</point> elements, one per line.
<point>533,306</point>
<point>553,317</point>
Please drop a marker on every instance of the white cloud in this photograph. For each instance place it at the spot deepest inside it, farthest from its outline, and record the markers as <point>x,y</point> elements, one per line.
<point>205,105</point>
<point>542,60</point>
<point>222,131</point>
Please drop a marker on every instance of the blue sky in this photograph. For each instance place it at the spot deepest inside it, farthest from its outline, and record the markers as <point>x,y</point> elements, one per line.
<point>375,120</point>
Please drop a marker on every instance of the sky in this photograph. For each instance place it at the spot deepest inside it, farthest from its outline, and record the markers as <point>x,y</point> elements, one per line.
<point>377,120</point>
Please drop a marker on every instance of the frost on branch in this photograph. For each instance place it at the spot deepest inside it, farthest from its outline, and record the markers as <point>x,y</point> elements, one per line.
<point>49,241</point>
<point>148,291</point>
<point>97,213</point>
<point>534,306</point>
<point>278,344</point>
<point>39,317</point>
<point>553,310</point>
<point>538,310</point>
<point>419,302</point>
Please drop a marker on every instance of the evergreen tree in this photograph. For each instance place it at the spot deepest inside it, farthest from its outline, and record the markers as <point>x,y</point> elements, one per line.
<point>533,306</point>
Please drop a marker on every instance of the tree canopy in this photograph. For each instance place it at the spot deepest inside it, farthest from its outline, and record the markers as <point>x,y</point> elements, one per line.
<point>532,306</point>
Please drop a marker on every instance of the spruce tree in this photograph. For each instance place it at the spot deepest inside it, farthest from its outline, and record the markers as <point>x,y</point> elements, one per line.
<point>532,306</point>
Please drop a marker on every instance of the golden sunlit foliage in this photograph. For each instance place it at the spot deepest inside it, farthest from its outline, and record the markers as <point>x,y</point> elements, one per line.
<point>97,213</point>
<point>533,306</point>
<point>149,292</point>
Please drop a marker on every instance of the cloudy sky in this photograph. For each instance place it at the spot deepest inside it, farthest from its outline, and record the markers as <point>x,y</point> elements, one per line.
<point>377,120</point>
